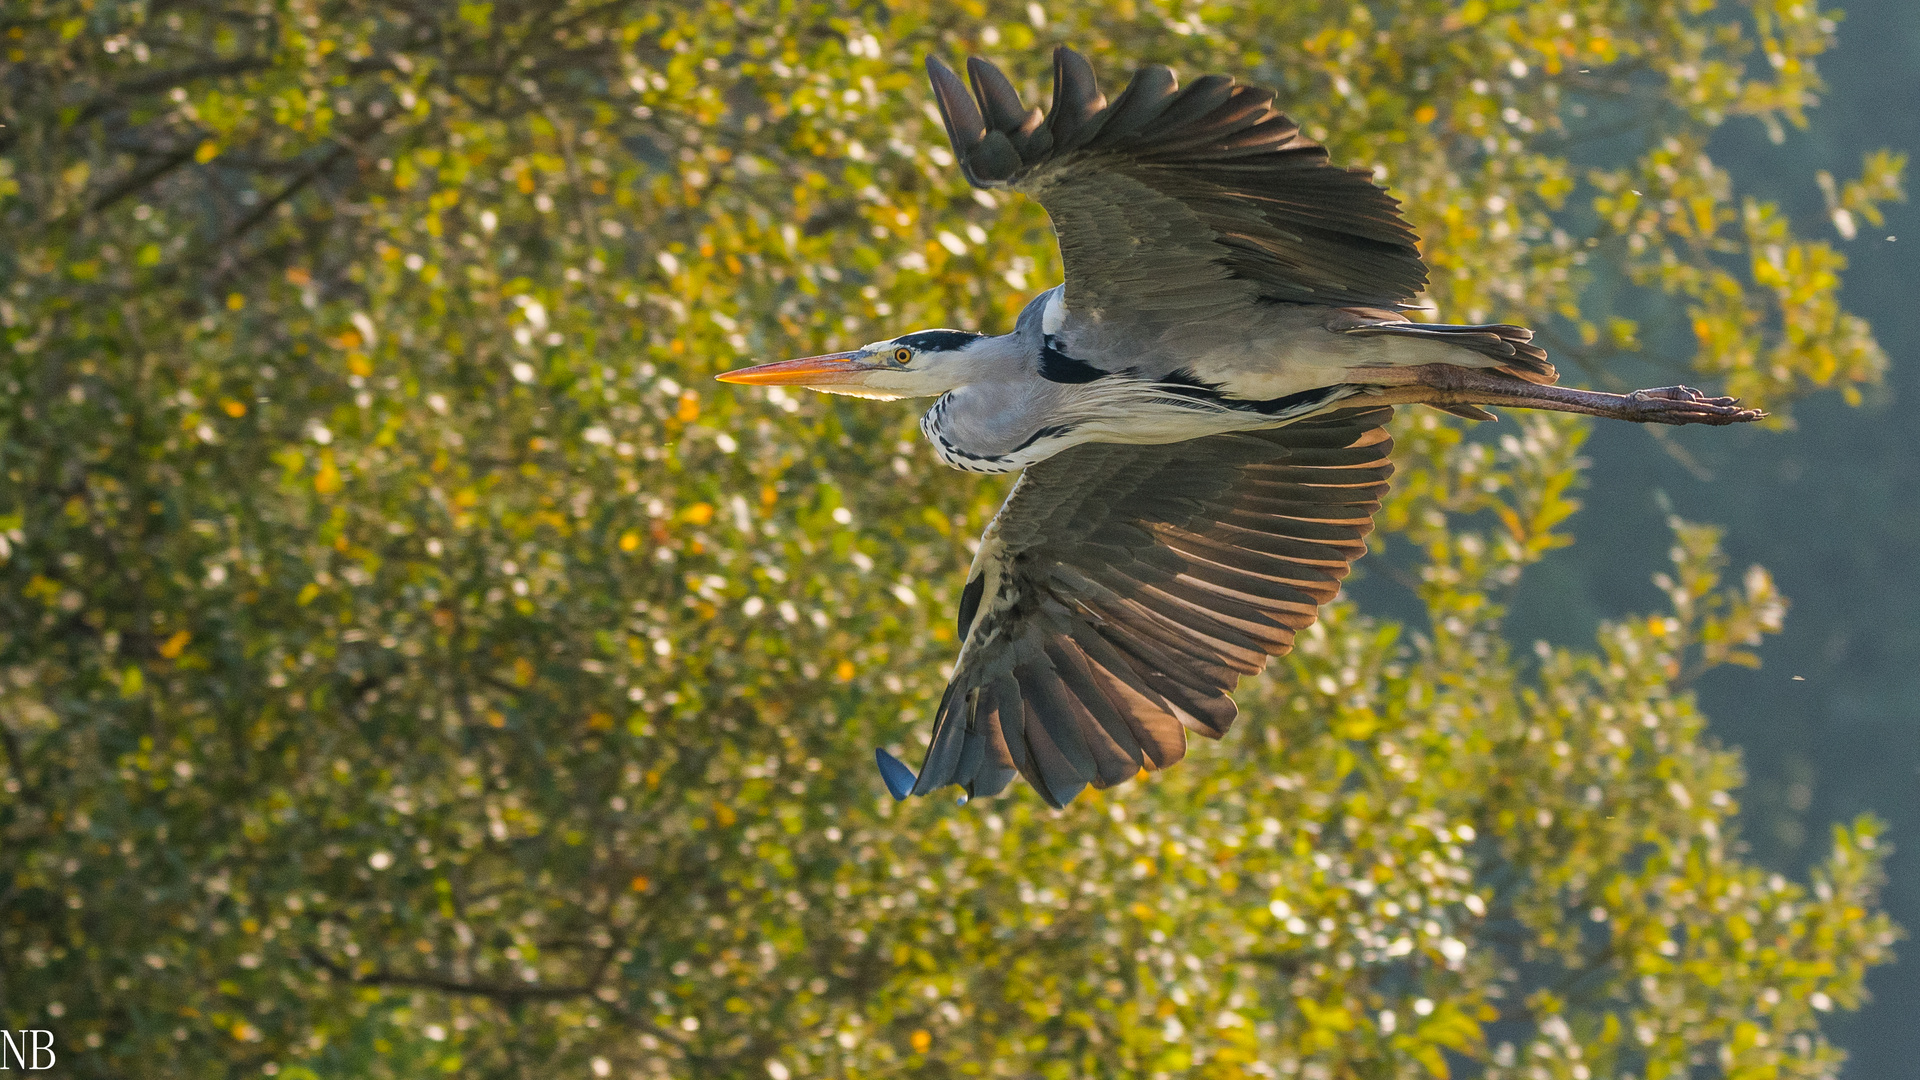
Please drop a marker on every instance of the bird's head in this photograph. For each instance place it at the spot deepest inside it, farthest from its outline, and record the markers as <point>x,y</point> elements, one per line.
<point>922,364</point>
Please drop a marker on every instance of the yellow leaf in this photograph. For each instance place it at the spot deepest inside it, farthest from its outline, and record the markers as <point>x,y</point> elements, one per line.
<point>307,594</point>
<point>698,513</point>
<point>1326,1017</point>
<point>1512,521</point>
<point>843,671</point>
<point>1430,1056</point>
<point>233,408</point>
<point>327,480</point>
<point>173,646</point>
<point>1358,725</point>
<point>629,540</point>
<point>922,1040</point>
<point>358,364</point>
<point>689,409</point>
<point>207,152</point>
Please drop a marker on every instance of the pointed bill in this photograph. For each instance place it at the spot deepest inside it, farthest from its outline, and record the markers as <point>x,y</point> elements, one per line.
<point>842,367</point>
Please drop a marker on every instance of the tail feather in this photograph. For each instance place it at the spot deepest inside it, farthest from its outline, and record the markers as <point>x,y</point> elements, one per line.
<point>1511,345</point>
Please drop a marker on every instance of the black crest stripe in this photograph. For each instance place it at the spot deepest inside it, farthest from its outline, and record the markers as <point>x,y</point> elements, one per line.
<point>938,340</point>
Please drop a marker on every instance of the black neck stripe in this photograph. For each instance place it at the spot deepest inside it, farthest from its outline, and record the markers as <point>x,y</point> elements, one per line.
<point>1183,383</point>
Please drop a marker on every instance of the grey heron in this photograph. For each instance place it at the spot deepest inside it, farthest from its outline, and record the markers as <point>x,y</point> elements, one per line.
<point>1198,413</point>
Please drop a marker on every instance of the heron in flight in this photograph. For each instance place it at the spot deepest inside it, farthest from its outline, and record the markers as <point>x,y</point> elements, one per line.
<point>1198,414</point>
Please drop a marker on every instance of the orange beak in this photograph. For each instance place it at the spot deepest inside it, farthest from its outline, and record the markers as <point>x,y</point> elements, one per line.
<point>825,370</point>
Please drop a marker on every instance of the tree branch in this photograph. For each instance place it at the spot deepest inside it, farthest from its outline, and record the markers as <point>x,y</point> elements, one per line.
<point>141,178</point>
<point>505,992</point>
<point>165,80</point>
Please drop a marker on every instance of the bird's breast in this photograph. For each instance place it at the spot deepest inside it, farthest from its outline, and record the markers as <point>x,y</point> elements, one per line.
<point>974,434</point>
<point>953,448</point>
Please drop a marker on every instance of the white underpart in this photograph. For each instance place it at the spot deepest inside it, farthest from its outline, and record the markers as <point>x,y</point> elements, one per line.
<point>1123,410</point>
<point>1297,361</point>
<point>1114,410</point>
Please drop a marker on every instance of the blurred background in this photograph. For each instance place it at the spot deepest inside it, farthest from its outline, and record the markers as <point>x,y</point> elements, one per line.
<point>1832,507</point>
<point>410,663</point>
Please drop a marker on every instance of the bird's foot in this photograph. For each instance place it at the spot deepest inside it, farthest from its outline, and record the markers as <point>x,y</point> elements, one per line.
<point>1685,405</point>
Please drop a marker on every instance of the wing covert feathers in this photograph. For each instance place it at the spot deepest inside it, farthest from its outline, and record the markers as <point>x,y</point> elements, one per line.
<point>1124,590</point>
<point>1165,183</point>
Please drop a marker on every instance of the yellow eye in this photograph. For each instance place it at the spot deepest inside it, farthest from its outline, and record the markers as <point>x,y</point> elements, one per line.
<point>902,354</point>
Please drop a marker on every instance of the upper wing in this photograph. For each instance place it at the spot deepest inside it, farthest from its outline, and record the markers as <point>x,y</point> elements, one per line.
<point>1181,201</point>
<point>1123,590</point>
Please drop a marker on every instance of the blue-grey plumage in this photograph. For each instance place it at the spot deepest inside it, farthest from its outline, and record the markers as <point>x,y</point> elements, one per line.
<point>1197,411</point>
<point>1059,379</point>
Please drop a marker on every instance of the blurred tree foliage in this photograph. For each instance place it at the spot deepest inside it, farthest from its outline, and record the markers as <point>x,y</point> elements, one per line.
<point>409,663</point>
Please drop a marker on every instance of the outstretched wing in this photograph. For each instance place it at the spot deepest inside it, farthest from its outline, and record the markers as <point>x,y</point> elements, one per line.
<point>1181,202</point>
<point>1123,590</point>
